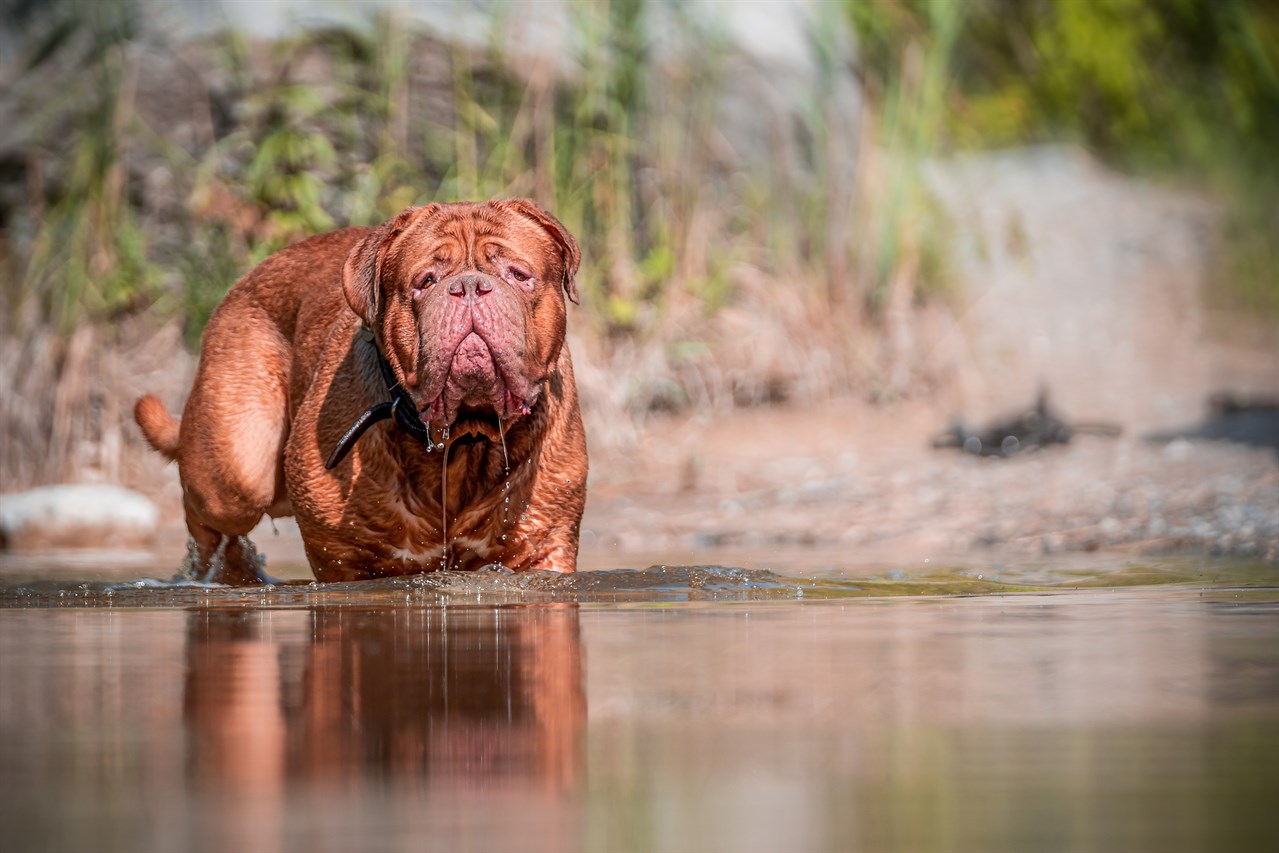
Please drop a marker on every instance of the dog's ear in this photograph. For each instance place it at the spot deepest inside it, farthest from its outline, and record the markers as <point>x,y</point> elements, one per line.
<point>570,251</point>
<point>362,272</point>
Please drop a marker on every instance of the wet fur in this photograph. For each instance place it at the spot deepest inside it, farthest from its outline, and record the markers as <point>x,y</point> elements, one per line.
<point>284,371</point>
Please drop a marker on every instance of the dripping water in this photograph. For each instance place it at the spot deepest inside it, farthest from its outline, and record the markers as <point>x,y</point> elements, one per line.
<point>501,431</point>
<point>444,499</point>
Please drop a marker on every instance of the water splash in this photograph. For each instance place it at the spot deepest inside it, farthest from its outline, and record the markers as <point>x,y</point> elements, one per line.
<point>192,569</point>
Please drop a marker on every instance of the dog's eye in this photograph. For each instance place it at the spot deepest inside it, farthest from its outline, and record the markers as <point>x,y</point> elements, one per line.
<point>425,282</point>
<point>518,275</point>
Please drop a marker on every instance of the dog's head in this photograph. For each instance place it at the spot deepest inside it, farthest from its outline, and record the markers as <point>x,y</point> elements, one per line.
<point>467,303</point>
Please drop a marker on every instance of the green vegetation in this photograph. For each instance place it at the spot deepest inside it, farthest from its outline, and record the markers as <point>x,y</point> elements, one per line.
<point>1187,89</point>
<point>88,256</point>
<point>911,111</point>
<point>348,125</point>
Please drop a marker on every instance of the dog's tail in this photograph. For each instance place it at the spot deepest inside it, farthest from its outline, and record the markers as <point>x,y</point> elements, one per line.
<point>158,426</point>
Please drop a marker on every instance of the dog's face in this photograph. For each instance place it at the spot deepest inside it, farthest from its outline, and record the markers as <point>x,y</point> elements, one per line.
<point>467,303</point>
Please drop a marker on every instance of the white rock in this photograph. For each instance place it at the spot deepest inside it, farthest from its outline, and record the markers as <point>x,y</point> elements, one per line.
<point>76,516</point>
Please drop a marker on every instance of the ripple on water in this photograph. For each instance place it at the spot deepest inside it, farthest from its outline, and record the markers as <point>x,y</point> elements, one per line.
<point>654,584</point>
<point>494,585</point>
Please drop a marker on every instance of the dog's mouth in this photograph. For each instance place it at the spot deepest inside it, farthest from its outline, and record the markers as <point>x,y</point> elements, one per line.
<point>475,395</point>
<point>473,424</point>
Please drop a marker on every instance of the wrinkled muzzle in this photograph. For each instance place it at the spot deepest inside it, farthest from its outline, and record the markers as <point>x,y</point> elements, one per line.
<point>474,349</point>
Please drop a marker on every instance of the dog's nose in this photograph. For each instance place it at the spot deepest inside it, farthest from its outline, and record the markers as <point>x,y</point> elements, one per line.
<point>470,285</point>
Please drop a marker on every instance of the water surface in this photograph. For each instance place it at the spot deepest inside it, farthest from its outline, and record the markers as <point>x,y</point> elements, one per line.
<point>675,708</point>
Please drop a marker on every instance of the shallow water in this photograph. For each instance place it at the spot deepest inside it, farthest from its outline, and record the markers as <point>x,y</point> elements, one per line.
<point>674,708</point>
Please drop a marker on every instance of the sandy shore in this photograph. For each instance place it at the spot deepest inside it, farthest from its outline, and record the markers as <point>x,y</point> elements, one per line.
<point>867,483</point>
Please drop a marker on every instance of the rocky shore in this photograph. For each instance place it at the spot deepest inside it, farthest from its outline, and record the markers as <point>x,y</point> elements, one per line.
<point>866,484</point>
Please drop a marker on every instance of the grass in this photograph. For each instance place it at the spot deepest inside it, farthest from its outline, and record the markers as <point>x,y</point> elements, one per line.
<point>623,151</point>
<point>721,268</point>
<point>271,142</point>
<point>1185,91</point>
<point>89,254</point>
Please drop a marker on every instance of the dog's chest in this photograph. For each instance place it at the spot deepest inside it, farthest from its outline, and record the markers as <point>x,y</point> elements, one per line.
<point>419,541</point>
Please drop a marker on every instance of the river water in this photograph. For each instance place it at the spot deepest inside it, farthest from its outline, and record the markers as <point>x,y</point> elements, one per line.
<point>673,708</point>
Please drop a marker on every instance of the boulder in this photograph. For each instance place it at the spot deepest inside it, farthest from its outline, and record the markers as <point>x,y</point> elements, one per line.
<point>76,516</point>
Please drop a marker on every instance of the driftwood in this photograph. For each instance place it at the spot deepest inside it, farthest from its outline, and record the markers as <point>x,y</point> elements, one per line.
<point>1233,417</point>
<point>1033,429</point>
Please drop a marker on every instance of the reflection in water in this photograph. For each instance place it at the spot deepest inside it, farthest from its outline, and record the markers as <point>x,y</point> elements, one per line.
<point>1142,719</point>
<point>410,701</point>
<point>408,696</point>
<point>1136,720</point>
<point>307,729</point>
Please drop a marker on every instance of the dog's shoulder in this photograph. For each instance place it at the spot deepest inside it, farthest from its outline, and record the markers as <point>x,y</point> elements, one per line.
<point>302,279</point>
<point>321,255</point>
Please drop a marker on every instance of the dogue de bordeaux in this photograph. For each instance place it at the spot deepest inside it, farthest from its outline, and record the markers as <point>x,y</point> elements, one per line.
<point>405,391</point>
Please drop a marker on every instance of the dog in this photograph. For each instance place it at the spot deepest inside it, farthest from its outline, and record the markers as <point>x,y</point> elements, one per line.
<point>404,391</point>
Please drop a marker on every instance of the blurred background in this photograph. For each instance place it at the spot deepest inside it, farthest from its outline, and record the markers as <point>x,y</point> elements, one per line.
<point>815,234</point>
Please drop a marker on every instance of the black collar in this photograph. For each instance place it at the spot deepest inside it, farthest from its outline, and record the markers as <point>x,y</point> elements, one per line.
<point>401,407</point>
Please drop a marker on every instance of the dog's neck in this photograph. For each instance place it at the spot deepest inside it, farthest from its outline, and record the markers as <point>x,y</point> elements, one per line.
<point>403,411</point>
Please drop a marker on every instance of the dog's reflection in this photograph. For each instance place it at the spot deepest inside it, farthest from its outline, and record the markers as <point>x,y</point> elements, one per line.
<point>414,696</point>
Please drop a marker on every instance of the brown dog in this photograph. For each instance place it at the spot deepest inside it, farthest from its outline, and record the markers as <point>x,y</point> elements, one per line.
<point>446,322</point>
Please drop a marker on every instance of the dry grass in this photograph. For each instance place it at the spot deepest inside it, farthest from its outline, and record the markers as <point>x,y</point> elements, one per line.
<point>66,402</point>
<point>737,249</point>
